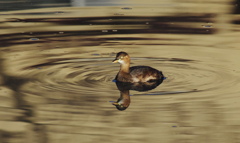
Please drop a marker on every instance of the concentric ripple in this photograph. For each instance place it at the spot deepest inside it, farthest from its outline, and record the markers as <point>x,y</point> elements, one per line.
<point>96,73</point>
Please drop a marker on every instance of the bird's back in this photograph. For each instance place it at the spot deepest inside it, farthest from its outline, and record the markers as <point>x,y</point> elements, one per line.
<point>145,73</point>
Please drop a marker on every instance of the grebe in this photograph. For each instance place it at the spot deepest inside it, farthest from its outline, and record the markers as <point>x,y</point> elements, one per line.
<point>135,73</point>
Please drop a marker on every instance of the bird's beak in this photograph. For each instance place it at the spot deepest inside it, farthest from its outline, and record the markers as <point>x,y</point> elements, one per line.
<point>115,103</point>
<point>115,61</point>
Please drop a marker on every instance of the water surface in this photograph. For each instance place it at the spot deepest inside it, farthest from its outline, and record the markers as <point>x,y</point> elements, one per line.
<point>56,75</point>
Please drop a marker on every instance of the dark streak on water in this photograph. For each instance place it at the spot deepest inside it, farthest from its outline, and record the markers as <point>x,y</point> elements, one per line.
<point>155,25</point>
<point>119,20</point>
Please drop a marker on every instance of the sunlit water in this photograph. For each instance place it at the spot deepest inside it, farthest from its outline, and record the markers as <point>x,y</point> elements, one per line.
<point>57,76</point>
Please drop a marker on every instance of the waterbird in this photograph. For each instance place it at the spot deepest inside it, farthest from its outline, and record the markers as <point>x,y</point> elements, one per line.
<point>135,73</point>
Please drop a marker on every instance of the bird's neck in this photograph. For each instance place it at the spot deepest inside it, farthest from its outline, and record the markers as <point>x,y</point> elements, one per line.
<point>125,67</point>
<point>124,98</point>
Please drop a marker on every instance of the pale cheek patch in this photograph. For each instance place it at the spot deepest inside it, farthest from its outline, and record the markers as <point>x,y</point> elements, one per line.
<point>121,61</point>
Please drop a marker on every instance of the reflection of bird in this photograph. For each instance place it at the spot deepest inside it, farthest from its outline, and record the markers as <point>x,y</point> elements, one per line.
<point>136,73</point>
<point>123,101</point>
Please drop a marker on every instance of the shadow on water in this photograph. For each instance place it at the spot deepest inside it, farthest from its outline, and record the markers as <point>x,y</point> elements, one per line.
<point>15,84</point>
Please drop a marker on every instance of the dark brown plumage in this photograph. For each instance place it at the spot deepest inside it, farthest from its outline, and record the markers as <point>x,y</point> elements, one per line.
<point>135,73</point>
